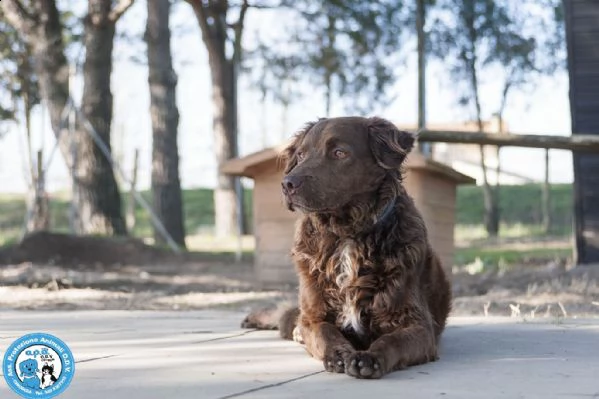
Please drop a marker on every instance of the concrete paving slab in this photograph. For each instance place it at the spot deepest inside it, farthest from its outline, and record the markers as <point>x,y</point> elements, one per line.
<point>204,354</point>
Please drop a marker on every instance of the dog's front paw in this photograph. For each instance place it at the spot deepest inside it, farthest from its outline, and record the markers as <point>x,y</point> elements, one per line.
<point>334,359</point>
<point>297,335</point>
<point>364,365</point>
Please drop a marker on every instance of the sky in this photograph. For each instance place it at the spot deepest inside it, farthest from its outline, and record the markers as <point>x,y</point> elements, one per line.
<point>542,110</point>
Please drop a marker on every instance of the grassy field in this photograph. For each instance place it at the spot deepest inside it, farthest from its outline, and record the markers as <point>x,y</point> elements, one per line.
<point>198,211</point>
<point>519,207</point>
<point>520,216</point>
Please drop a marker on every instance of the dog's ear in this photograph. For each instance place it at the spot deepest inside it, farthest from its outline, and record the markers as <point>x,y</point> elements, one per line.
<point>388,144</point>
<point>289,154</point>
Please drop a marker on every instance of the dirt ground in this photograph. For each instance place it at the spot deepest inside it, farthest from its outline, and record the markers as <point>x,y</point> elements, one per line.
<point>51,271</point>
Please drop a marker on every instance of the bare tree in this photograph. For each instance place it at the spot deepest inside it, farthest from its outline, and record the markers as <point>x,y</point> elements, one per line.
<point>476,34</point>
<point>95,190</point>
<point>166,186</point>
<point>219,35</point>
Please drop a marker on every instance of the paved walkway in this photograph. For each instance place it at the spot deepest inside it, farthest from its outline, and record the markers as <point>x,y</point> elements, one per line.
<point>204,354</point>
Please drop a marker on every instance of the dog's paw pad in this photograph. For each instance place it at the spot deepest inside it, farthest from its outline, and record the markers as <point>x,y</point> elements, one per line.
<point>364,365</point>
<point>333,361</point>
<point>334,366</point>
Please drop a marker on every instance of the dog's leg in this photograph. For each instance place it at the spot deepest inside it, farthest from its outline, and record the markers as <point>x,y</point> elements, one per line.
<point>325,342</point>
<point>406,346</point>
<point>288,324</point>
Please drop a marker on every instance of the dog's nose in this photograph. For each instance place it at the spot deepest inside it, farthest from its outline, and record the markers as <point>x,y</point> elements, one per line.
<point>292,183</point>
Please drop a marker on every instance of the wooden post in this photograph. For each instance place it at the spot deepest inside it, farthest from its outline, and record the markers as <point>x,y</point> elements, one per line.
<point>131,219</point>
<point>546,197</point>
<point>582,37</point>
<point>74,216</point>
<point>425,148</point>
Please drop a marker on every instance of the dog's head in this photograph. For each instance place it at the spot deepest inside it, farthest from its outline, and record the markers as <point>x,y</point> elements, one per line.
<point>334,161</point>
<point>28,367</point>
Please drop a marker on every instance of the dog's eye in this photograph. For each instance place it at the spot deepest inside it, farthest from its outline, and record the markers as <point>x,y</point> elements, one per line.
<point>340,154</point>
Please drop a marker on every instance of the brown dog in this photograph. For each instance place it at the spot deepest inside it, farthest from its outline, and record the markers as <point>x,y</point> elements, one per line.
<point>372,297</point>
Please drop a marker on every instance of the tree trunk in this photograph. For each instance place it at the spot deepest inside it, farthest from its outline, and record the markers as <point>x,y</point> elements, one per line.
<point>470,61</point>
<point>96,191</point>
<point>166,186</point>
<point>225,141</point>
<point>39,207</point>
<point>212,21</point>
<point>490,218</point>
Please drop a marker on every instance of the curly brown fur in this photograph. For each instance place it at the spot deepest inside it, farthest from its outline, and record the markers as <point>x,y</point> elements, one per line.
<point>373,296</point>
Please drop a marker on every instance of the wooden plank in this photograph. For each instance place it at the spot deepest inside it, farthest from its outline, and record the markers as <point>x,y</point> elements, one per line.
<point>587,98</point>
<point>274,267</point>
<point>276,276</point>
<point>275,236</point>
<point>579,142</point>
<point>585,24</point>
<point>268,200</point>
<point>587,69</point>
<point>441,239</point>
<point>584,9</point>
<point>275,213</point>
<point>275,258</point>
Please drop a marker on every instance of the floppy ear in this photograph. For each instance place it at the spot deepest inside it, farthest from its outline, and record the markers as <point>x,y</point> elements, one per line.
<point>288,155</point>
<point>388,144</point>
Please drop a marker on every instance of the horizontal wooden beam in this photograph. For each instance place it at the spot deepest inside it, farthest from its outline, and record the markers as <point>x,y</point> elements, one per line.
<point>578,142</point>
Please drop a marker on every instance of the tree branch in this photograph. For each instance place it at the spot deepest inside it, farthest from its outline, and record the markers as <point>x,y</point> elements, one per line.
<point>266,6</point>
<point>201,16</point>
<point>18,16</point>
<point>121,8</point>
<point>238,29</point>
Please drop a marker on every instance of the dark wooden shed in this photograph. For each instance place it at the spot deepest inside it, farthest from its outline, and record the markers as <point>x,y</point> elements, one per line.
<point>582,30</point>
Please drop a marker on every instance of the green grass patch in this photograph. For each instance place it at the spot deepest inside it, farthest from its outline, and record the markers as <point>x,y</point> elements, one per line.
<point>516,230</point>
<point>198,209</point>
<point>198,212</point>
<point>519,206</point>
<point>502,256</point>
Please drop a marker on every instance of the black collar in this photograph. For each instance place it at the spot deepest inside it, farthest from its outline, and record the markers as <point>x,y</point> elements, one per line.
<point>387,214</point>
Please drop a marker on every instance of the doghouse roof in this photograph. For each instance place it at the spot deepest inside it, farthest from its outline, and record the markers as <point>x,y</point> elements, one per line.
<point>252,165</point>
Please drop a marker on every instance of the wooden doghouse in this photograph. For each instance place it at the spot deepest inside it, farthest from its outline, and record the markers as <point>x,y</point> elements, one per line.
<point>430,183</point>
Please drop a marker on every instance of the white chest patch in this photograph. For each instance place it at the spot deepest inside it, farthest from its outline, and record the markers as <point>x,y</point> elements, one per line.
<point>347,273</point>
